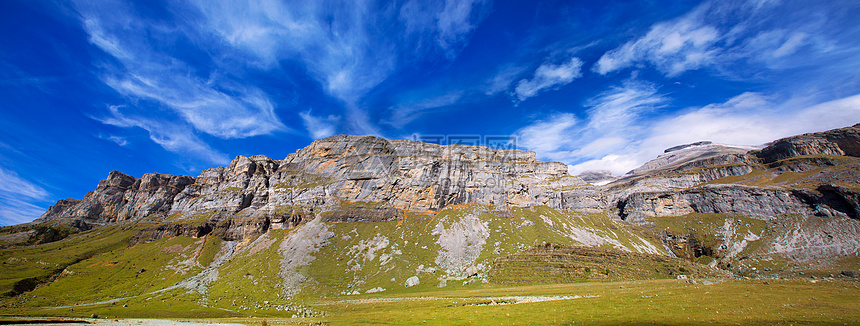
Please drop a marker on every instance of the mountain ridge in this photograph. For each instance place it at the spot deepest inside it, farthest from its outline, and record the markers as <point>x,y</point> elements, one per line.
<point>414,176</point>
<point>351,215</point>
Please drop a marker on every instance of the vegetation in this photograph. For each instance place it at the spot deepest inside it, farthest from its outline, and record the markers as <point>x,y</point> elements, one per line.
<point>532,268</point>
<point>552,264</point>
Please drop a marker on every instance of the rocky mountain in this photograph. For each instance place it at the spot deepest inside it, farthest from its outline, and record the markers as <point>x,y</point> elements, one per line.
<point>350,215</point>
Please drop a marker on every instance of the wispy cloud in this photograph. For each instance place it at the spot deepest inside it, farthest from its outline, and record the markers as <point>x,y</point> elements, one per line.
<point>345,46</point>
<point>171,136</point>
<point>609,125</point>
<point>548,76</point>
<point>406,112</point>
<point>319,127</point>
<point>145,73</point>
<point>686,43</point>
<point>11,183</point>
<point>502,80</point>
<point>551,137</point>
<point>618,108</point>
<point>121,141</point>
<point>454,22</point>
<point>153,75</point>
<point>446,24</point>
<point>16,195</point>
<point>725,34</point>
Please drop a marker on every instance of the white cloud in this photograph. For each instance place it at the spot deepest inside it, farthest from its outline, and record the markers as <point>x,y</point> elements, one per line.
<point>610,125</point>
<point>447,24</point>
<point>747,119</point>
<point>319,127</point>
<point>246,112</point>
<point>173,137</point>
<point>552,137</point>
<point>549,76</point>
<point>724,34</point>
<point>454,21</point>
<point>502,80</point>
<point>619,107</point>
<point>11,183</point>
<point>791,44</point>
<point>406,112</point>
<point>15,211</point>
<point>676,46</point>
<point>347,47</point>
<point>16,195</point>
<point>121,141</point>
<point>616,136</point>
<point>146,74</point>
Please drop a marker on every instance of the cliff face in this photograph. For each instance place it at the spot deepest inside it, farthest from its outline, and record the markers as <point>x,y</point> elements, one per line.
<point>838,142</point>
<point>349,178</point>
<point>812,174</point>
<point>378,176</point>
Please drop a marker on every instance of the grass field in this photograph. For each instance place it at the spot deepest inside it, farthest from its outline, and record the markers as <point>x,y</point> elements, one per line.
<point>666,302</point>
<point>661,302</point>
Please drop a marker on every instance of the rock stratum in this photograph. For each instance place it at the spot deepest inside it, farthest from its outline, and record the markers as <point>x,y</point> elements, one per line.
<point>365,178</point>
<point>350,215</point>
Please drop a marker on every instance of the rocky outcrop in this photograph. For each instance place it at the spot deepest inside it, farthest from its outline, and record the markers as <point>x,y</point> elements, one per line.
<point>764,203</point>
<point>837,142</point>
<point>811,174</point>
<point>121,197</point>
<point>673,158</point>
<point>597,177</point>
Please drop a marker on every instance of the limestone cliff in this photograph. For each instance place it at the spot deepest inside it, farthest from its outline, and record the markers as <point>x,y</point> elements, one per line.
<point>810,174</point>
<point>368,178</point>
<point>340,178</point>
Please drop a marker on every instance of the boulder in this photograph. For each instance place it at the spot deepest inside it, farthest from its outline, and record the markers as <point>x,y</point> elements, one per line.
<point>412,281</point>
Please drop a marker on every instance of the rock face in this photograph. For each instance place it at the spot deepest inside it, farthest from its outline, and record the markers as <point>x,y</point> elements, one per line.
<point>364,178</point>
<point>341,178</point>
<point>811,174</point>
<point>838,142</point>
<point>121,197</point>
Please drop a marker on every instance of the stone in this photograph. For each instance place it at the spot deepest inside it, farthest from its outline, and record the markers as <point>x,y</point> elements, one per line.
<point>412,281</point>
<point>850,273</point>
<point>375,290</point>
<point>471,271</point>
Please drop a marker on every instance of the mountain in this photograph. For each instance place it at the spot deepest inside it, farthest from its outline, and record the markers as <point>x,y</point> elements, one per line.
<point>350,215</point>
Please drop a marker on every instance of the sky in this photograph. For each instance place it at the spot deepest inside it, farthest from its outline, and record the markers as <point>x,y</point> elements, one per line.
<point>87,87</point>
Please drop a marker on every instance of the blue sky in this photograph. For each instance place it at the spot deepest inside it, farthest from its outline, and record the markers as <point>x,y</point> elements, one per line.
<point>180,86</point>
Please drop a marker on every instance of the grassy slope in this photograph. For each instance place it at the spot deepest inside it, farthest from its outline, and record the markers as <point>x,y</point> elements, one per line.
<point>43,261</point>
<point>249,284</point>
<point>551,264</point>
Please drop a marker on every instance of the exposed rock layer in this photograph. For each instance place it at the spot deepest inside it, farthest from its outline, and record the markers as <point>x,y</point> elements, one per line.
<point>355,178</point>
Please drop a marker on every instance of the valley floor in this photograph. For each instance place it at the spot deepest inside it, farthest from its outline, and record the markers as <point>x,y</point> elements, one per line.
<point>664,302</point>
